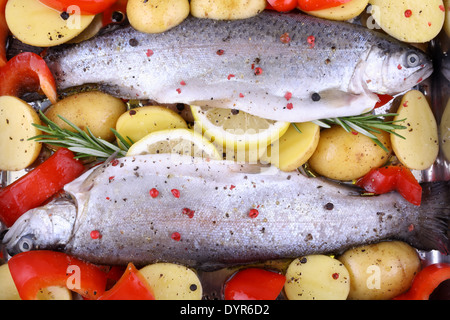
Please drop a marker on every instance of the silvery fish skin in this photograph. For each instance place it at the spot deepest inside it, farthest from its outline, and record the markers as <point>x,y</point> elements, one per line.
<point>245,65</point>
<point>297,215</point>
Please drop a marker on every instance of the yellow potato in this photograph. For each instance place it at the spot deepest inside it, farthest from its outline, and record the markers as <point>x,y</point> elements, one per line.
<point>54,293</point>
<point>445,131</point>
<point>409,20</point>
<point>137,123</point>
<point>90,31</point>
<point>317,277</point>
<point>16,119</point>
<point>8,290</point>
<point>342,155</point>
<point>420,147</point>
<point>345,11</point>
<point>38,25</point>
<point>94,109</point>
<point>172,282</point>
<point>227,9</point>
<point>447,17</point>
<point>380,271</point>
<point>155,16</point>
<point>293,149</point>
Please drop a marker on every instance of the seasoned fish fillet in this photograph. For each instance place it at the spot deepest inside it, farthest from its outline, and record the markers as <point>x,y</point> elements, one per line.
<point>208,213</point>
<point>288,67</point>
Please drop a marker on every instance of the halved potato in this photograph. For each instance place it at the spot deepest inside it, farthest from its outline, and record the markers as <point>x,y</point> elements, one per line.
<point>420,147</point>
<point>345,11</point>
<point>137,123</point>
<point>447,17</point>
<point>16,119</point>
<point>409,20</point>
<point>380,271</point>
<point>317,277</point>
<point>157,15</point>
<point>293,148</point>
<point>8,290</point>
<point>227,9</point>
<point>445,131</point>
<point>38,25</point>
<point>172,281</point>
<point>54,293</point>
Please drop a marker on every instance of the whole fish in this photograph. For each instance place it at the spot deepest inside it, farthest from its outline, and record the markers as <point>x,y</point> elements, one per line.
<point>208,214</point>
<point>287,67</point>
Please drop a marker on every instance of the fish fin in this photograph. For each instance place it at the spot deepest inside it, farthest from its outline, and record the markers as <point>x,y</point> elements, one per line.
<point>434,218</point>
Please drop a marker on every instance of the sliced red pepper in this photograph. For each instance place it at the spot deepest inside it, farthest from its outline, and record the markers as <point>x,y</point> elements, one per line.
<point>282,5</point>
<point>254,284</point>
<point>27,72</point>
<point>108,14</point>
<point>313,5</point>
<point>33,270</point>
<point>426,281</point>
<point>86,7</point>
<point>38,185</point>
<point>392,178</point>
<point>4,32</point>
<point>131,286</point>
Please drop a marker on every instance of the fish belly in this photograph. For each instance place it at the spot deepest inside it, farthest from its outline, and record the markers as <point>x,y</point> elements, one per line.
<point>209,214</point>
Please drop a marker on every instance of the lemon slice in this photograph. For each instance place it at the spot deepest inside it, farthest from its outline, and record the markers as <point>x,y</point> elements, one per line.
<point>237,130</point>
<point>180,141</point>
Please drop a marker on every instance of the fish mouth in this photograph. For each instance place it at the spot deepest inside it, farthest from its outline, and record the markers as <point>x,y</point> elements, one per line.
<point>422,73</point>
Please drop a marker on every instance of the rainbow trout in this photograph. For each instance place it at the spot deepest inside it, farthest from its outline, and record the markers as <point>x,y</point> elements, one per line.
<point>209,214</point>
<point>287,67</point>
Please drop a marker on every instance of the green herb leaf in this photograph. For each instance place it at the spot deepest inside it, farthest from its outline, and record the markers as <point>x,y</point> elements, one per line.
<point>83,144</point>
<point>366,124</point>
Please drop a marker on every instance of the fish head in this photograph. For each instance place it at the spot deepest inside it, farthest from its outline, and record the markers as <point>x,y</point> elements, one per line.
<point>395,69</point>
<point>46,227</point>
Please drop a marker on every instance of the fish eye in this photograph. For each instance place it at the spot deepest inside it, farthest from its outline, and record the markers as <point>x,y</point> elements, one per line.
<point>25,243</point>
<point>412,60</point>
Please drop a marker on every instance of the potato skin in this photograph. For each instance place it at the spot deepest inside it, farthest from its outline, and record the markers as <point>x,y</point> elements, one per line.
<point>415,21</point>
<point>16,127</point>
<point>94,109</point>
<point>155,16</point>
<point>380,271</point>
<point>344,156</point>
<point>420,146</point>
<point>227,9</point>
<point>345,11</point>
<point>36,24</point>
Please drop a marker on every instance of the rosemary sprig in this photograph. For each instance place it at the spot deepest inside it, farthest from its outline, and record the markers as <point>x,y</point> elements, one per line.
<point>84,144</point>
<point>366,124</point>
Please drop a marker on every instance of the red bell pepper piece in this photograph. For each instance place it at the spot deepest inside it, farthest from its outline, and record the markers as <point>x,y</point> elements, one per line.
<point>131,286</point>
<point>254,284</point>
<point>86,7</point>
<point>383,99</point>
<point>392,178</point>
<point>426,281</point>
<point>27,72</point>
<point>118,6</point>
<point>282,5</point>
<point>4,32</point>
<point>33,270</point>
<point>313,5</point>
<point>38,185</point>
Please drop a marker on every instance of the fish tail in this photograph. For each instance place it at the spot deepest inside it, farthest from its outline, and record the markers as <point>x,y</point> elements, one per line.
<point>433,231</point>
